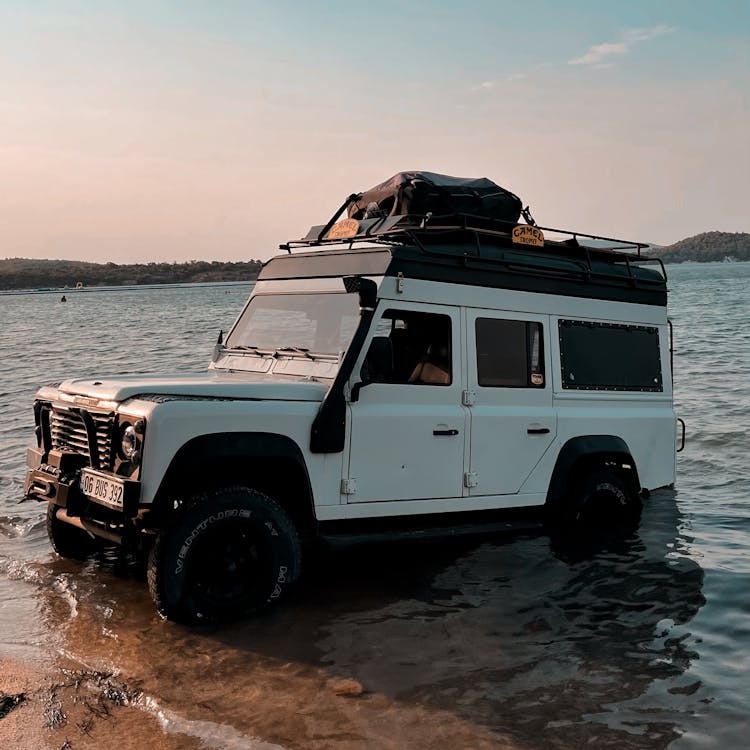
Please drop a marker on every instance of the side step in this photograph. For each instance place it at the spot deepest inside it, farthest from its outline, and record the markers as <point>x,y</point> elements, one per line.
<point>433,533</point>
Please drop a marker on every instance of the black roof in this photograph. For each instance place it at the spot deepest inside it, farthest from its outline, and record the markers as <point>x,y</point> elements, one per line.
<point>476,252</point>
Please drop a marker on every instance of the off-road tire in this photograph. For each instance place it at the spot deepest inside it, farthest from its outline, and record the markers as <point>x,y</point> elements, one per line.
<point>233,552</point>
<point>68,541</point>
<point>604,500</point>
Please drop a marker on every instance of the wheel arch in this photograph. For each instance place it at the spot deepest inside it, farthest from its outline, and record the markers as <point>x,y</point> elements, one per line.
<point>268,462</point>
<point>586,453</point>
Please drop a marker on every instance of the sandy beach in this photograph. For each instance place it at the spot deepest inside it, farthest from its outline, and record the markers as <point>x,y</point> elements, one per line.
<point>69,708</point>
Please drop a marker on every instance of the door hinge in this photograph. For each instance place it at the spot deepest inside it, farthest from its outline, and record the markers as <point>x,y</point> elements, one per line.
<point>400,283</point>
<point>347,393</point>
<point>468,398</point>
<point>471,479</point>
<point>348,486</point>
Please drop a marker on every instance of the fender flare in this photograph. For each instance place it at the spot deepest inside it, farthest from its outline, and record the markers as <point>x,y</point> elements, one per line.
<point>238,445</point>
<point>586,446</point>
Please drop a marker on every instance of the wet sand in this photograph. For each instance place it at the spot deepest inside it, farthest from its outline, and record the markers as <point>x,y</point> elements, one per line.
<point>68,708</point>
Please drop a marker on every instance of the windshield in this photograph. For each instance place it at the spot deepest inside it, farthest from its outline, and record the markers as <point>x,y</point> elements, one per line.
<point>322,323</point>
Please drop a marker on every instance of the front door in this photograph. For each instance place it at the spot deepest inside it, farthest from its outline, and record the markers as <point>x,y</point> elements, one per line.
<point>407,426</point>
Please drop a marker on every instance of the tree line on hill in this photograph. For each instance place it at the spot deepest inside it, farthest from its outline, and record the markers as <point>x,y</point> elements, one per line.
<point>708,246</point>
<point>25,273</point>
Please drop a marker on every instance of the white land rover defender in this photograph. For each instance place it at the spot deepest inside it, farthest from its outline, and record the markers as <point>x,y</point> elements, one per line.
<point>420,364</point>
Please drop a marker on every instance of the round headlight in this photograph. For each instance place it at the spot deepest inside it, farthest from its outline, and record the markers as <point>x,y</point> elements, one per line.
<point>129,445</point>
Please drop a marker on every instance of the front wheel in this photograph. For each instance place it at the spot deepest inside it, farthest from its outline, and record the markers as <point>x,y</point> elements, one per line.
<point>233,552</point>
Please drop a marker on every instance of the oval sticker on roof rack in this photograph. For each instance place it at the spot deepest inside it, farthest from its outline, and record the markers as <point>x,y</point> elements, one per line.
<point>525,234</point>
<point>343,229</point>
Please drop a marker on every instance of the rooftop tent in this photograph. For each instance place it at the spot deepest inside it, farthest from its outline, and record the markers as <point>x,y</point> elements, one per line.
<point>427,192</point>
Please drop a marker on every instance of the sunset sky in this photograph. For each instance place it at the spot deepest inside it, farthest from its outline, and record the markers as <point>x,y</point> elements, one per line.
<point>175,130</point>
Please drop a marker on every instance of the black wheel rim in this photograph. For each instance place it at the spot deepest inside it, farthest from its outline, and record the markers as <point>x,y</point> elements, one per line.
<point>229,569</point>
<point>603,507</point>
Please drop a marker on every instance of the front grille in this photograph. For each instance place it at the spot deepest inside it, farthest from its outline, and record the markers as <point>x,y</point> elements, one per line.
<point>68,432</point>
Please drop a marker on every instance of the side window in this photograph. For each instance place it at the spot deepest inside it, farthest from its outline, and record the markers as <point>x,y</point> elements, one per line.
<point>609,356</point>
<point>410,347</point>
<point>509,353</point>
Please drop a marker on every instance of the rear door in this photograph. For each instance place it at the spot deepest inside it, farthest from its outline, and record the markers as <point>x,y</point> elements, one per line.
<point>511,417</point>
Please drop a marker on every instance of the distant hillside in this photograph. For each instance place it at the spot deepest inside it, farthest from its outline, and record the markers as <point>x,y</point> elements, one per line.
<point>707,247</point>
<point>24,273</point>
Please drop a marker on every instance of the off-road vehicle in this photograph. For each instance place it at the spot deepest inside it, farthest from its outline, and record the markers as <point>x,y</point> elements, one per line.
<point>425,362</point>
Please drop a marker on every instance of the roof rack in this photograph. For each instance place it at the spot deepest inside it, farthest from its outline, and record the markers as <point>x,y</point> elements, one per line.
<point>423,230</point>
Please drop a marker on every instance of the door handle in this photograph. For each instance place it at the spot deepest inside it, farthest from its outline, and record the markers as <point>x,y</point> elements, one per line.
<point>538,430</point>
<point>445,432</point>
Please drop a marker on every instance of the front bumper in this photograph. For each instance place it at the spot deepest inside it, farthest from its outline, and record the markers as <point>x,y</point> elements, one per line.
<point>58,480</point>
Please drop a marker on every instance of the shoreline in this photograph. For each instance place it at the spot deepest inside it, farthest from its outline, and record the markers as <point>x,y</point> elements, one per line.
<point>124,287</point>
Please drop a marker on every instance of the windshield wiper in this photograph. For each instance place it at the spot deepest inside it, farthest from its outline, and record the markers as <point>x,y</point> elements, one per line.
<point>251,349</point>
<point>296,349</point>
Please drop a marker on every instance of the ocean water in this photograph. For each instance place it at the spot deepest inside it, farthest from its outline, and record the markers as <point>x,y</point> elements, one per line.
<point>503,641</point>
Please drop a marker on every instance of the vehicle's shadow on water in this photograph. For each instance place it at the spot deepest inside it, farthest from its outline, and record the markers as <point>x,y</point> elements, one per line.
<point>528,640</point>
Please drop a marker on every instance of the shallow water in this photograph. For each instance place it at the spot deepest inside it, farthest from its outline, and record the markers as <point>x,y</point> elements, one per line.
<point>512,639</point>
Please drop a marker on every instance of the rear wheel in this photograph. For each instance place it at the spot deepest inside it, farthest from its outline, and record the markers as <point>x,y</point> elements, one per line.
<point>604,500</point>
<point>67,540</point>
<point>233,552</point>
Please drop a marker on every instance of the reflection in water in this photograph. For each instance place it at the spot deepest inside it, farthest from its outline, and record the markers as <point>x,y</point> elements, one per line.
<point>473,644</point>
<point>535,645</point>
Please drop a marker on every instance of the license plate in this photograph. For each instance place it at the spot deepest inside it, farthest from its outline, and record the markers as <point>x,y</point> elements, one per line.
<point>102,489</point>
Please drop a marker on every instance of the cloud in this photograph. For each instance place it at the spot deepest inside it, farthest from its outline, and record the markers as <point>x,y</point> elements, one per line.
<point>488,85</point>
<point>484,86</point>
<point>600,53</point>
<point>598,56</point>
<point>643,35</point>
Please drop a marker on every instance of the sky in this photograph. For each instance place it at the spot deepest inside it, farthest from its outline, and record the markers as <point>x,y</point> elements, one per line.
<point>173,130</point>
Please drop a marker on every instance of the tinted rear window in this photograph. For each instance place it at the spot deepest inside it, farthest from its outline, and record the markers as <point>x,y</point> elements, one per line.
<point>609,356</point>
